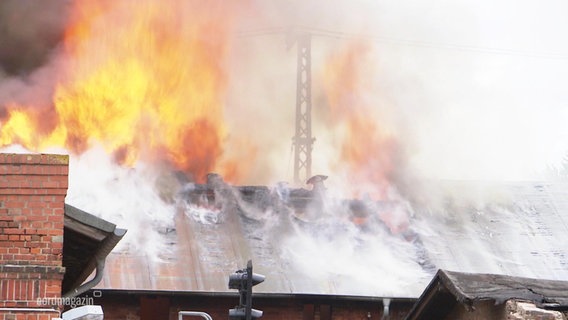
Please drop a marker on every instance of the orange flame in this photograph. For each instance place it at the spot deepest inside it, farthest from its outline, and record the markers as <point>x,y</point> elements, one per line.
<point>367,151</point>
<point>145,80</point>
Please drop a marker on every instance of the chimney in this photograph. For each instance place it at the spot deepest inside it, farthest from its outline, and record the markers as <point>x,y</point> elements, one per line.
<point>32,198</point>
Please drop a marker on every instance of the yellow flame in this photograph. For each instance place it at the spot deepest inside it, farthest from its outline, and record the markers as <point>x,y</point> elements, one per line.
<point>144,79</point>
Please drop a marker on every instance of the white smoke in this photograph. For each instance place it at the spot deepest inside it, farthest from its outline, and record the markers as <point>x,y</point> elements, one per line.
<point>127,197</point>
<point>356,259</point>
<point>472,92</point>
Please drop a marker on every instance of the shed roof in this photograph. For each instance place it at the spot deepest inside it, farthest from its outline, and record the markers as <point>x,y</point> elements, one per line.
<point>448,288</point>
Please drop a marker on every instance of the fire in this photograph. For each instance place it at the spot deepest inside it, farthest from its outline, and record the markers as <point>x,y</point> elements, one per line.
<point>367,151</point>
<point>143,79</point>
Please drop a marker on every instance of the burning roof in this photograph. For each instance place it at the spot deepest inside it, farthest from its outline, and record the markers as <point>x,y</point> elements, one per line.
<point>307,242</point>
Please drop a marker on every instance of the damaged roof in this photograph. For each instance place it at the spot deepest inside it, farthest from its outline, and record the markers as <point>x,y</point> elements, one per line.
<point>522,233</point>
<point>449,288</point>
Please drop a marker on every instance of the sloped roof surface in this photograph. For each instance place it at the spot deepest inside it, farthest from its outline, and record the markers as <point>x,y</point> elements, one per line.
<point>521,231</point>
<point>522,234</point>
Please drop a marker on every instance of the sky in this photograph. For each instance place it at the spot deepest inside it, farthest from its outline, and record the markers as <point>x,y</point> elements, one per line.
<point>492,86</point>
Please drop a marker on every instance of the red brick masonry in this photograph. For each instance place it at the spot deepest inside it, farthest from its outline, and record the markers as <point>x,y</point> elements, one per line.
<point>32,196</point>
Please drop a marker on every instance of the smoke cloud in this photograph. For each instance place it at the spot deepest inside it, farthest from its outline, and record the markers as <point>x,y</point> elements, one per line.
<point>470,92</point>
<point>29,33</point>
<point>30,38</point>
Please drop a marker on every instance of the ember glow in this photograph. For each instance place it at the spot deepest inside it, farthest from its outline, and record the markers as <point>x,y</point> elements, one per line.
<point>141,81</point>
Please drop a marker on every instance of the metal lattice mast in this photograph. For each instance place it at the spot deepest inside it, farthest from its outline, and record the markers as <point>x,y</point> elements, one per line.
<point>303,139</point>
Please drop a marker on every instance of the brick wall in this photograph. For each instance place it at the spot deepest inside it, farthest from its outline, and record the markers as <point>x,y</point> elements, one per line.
<point>32,195</point>
<point>121,305</point>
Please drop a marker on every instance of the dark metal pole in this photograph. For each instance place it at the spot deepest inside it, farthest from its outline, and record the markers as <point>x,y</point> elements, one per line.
<point>248,307</point>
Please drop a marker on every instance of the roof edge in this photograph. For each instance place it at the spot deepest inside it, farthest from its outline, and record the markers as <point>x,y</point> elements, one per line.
<point>88,219</point>
<point>255,294</point>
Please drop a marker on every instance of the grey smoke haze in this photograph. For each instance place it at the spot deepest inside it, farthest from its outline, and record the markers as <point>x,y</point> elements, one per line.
<point>474,90</point>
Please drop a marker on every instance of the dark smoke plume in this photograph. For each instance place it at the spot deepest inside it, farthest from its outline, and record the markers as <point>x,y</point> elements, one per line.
<point>29,32</point>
